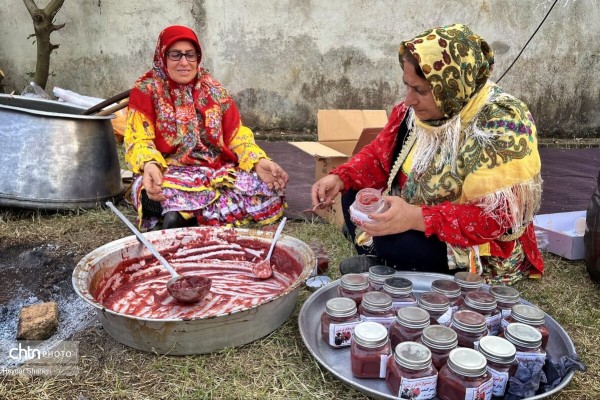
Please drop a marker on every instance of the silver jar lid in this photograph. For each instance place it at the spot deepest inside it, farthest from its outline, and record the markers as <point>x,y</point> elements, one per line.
<point>340,307</point>
<point>481,301</point>
<point>370,334</point>
<point>468,280</point>
<point>439,337</point>
<point>529,315</point>
<point>379,273</point>
<point>497,349</point>
<point>354,282</point>
<point>467,362</point>
<point>469,321</point>
<point>398,286</point>
<point>413,317</point>
<point>377,301</point>
<point>505,294</point>
<point>523,335</point>
<point>446,287</point>
<point>412,355</point>
<point>433,302</point>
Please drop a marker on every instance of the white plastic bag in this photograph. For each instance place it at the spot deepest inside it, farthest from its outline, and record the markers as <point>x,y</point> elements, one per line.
<point>35,90</point>
<point>69,96</point>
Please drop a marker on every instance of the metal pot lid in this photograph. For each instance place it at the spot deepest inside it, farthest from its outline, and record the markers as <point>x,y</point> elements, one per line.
<point>505,294</point>
<point>354,282</point>
<point>497,349</point>
<point>370,334</point>
<point>523,335</point>
<point>469,321</point>
<point>398,286</point>
<point>379,273</point>
<point>377,301</point>
<point>413,317</point>
<point>481,301</point>
<point>412,355</point>
<point>433,302</point>
<point>528,314</point>
<point>340,307</point>
<point>467,362</point>
<point>446,287</point>
<point>468,280</point>
<point>439,337</point>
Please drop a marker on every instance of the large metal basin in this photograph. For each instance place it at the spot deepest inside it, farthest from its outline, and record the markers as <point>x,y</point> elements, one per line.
<point>54,158</point>
<point>195,336</point>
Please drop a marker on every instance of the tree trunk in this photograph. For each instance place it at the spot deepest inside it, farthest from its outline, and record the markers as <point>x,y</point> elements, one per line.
<point>43,23</point>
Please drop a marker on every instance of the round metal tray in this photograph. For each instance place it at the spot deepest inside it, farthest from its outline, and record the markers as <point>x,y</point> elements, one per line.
<point>337,361</point>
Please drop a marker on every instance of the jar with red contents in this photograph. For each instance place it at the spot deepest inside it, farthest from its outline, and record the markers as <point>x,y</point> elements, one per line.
<point>400,289</point>
<point>378,274</point>
<point>410,373</point>
<point>441,340</point>
<point>353,286</point>
<point>501,362</point>
<point>437,306</point>
<point>465,376</point>
<point>468,282</point>
<point>450,289</point>
<point>529,315</point>
<point>486,305</point>
<point>527,341</point>
<point>409,325</point>
<point>470,327</point>
<point>377,307</point>
<point>368,201</point>
<point>338,321</point>
<point>370,350</point>
<point>506,298</point>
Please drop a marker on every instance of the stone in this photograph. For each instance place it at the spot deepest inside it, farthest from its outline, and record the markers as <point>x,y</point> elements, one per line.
<point>38,321</point>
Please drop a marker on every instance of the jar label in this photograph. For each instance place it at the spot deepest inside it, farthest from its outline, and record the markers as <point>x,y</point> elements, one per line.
<point>500,380</point>
<point>483,391</point>
<point>383,359</point>
<point>376,287</point>
<point>385,321</point>
<point>493,324</point>
<point>504,324</point>
<point>396,305</point>
<point>524,357</point>
<point>446,318</point>
<point>340,335</point>
<point>418,389</point>
<point>506,312</point>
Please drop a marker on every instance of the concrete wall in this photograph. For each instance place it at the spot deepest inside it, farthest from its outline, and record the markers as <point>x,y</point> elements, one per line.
<point>282,60</point>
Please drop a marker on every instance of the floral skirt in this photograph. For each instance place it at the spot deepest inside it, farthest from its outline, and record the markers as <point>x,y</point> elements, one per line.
<point>224,197</point>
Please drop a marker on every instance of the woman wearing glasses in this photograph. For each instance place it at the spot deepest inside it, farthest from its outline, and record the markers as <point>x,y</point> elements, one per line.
<point>195,160</point>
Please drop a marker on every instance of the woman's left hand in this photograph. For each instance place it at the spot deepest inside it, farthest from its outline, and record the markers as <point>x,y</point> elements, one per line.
<point>272,174</point>
<point>399,217</point>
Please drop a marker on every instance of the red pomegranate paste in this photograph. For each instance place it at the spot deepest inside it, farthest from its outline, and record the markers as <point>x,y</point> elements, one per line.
<point>137,287</point>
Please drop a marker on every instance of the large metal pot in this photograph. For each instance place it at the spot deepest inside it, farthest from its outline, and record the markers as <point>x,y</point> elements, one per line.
<point>55,158</point>
<point>196,336</point>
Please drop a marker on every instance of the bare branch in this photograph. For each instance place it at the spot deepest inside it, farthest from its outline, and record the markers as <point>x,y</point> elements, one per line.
<point>57,27</point>
<point>31,7</point>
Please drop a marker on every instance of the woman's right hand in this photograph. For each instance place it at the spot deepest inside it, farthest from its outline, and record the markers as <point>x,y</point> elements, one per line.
<point>325,190</point>
<point>152,181</point>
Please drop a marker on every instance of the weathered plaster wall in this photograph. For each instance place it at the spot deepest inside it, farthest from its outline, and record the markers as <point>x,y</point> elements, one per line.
<point>282,60</point>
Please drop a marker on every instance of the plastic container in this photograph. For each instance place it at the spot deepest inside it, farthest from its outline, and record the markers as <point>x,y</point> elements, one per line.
<point>501,362</point>
<point>353,286</point>
<point>409,325</point>
<point>437,306</point>
<point>465,376</point>
<point>470,327</point>
<point>338,321</point>
<point>370,350</point>
<point>378,275</point>
<point>377,307</point>
<point>486,305</point>
<point>529,315</point>
<point>441,340</point>
<point>400,289</point>
<point>410,373</point>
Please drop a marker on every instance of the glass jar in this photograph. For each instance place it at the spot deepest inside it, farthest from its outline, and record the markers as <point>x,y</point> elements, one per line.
<point>367,201</point>
<point>468,282</point>
<point>437,306</point>
<point>353,286</point>
<point>441,340</point>
<point>409,325</point>
<point>410,374</point>
<point>486,305</point>
<point>506,297</point>
<point>465,376</point>
<point>378,274</point>
<point>377,307</point>
<point>369,351</point>
<point>527,341</point>
<point>400,289</point>
<point>338,321</point>
<point>470,326</point>
<point>450,289</point>
<point>501,362</point>
<point>529,315</point>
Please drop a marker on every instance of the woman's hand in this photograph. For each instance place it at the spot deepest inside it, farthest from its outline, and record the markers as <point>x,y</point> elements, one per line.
<point>399,217</point>
<point>325,190</point>
<point>272,174</point>
<point>152,181</point>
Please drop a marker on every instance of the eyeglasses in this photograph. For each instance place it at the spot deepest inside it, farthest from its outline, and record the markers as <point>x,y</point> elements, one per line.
<point>176,56</point>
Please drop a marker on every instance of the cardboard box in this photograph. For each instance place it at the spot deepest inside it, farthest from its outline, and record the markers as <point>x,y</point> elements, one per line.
<point>341,133</point>
<point>560,233</point>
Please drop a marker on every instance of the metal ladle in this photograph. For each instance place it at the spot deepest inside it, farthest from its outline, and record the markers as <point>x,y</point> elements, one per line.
<point>184,288</point>
<point>262,269</point>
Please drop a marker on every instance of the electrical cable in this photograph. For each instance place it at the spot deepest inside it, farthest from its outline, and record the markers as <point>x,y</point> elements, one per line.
<point>521,52</point>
